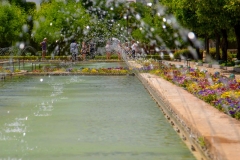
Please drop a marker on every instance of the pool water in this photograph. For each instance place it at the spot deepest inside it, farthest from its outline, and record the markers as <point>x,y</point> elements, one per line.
<point>84,117</point>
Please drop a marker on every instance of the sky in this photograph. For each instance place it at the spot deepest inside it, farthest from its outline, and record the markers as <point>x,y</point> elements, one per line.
<point>37,1</point>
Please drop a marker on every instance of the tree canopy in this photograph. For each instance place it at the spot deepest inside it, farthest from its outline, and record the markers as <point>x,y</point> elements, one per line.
<point>13,24</point>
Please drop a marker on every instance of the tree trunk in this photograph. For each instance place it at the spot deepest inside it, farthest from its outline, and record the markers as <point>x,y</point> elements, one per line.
<point>237,33</point>
<point>217,47</point>
<point>224,44</point>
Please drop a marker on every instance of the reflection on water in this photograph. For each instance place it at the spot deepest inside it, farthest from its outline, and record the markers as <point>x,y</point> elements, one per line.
<point>84,117</point>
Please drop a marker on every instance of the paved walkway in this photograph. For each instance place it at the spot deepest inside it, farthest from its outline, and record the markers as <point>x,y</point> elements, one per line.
<point>226,71</point>
<point>220,132</point>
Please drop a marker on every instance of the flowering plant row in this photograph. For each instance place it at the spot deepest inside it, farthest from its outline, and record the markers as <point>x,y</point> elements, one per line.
<point>220,91</point>
<point>84,70</point>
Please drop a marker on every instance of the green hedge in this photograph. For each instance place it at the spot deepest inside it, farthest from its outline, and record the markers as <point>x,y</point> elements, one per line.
<point>158,57</point>
<point>19,57</point>
<point>49,57</point>
<point>33,57</point>
<point>212,53</point>
<point>114,56</point>
<point>182,52</point>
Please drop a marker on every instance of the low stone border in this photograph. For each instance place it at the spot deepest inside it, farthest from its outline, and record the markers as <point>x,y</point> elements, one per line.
<point>217,66</point>
<point>236,69</point>
<point>207,65</point>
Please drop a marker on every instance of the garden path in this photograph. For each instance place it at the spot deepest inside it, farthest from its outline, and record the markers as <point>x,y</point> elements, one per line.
<point>227,71</point>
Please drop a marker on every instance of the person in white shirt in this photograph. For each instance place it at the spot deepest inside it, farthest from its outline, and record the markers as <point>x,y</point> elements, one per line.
<point>134,48</point>
<point>74,50</point>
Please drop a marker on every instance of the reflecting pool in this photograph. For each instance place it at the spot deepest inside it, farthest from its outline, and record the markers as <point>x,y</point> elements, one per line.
<point>84,117</point>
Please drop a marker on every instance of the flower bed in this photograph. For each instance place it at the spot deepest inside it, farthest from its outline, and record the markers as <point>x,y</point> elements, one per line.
<point>48,69</point>
<point>221,92</point>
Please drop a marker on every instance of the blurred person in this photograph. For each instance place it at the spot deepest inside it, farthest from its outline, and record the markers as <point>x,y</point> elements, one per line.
<point>119,50</point>
<point>44,48</point>
<point>91,48</point>
<point>108,50</point>
<point>134,49</point>
<point>84,50</point>
<point>74,50</point>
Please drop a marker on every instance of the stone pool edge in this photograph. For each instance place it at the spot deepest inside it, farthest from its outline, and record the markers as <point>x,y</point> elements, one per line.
<point>208,133</point>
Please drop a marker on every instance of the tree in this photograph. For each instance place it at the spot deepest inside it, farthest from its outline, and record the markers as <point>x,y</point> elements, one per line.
<point>13,25</point>
<point>185,13</point>
<point>233,7</point>
<point>57,20</point>
<point>213,13</point>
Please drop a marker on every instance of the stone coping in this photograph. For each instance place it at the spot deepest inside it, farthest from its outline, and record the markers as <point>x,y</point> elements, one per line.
<point>220,132</point>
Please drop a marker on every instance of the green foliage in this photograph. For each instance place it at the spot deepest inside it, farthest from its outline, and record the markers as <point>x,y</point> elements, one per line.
<point>212,53</point>
<point>183,53</point>
<point>201,142</point>
<point>237,116</point>
<point>234,55</point>
<point>157,57</point>
<point>12,20</point>
<point>58,20</point>
<point>233,7</point>
<point>114,56</point>
<point>229,63</point>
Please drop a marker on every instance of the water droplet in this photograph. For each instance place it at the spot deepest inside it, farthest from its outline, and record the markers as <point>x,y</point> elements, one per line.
<point>22,45</point>
<point>25,28</point>
<point>191,35</point>
<point>138,16</point>
<point>149,4</point>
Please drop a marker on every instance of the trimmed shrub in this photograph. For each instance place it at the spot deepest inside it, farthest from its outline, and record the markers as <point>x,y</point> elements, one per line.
<point>183,53</point>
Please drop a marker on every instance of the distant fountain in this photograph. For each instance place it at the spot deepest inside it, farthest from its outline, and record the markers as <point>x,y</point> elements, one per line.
<point>4,51</point>
<point>27,49</point>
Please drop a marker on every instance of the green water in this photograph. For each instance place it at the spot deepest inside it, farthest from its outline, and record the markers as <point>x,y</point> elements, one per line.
<point>84,117</point>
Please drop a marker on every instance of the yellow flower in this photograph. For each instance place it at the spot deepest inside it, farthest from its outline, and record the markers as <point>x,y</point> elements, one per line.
<point>85,70</point>
<point>231,94</point>
<point>94,71</point>
<point>215,86</point>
